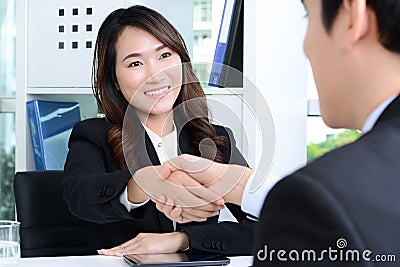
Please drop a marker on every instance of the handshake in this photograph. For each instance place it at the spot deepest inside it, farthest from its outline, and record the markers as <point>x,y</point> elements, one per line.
<point>189,188</point>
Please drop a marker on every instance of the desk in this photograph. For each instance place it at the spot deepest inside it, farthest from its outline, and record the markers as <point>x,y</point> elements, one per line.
<point>103,261</point>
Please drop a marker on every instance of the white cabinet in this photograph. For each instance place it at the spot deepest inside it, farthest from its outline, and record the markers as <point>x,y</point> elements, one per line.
<point>60,40</point>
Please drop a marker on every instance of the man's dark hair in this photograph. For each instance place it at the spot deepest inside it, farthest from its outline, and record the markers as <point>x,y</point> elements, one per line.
<point>387,14</point>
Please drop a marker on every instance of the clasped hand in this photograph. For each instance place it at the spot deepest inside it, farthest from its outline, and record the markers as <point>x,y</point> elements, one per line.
<point>195,188</point>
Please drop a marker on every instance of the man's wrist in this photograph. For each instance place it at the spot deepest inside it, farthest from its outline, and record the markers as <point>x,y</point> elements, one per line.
<point>236,194</point>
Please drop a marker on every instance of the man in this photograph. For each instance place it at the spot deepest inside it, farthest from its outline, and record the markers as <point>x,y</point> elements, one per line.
<point>343,208</point>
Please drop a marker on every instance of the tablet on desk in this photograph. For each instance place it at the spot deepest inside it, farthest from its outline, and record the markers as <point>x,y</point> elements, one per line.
<point>176,259</point>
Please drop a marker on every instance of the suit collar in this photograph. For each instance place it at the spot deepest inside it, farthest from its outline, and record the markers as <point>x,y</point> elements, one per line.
<point>374,115</point>
<point>392,111</point>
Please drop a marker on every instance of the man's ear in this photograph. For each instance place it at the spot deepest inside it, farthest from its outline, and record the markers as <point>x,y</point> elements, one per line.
<point>358,23</point>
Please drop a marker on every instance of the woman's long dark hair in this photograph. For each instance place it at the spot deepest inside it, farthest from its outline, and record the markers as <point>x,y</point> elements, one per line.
<point>111,101</point>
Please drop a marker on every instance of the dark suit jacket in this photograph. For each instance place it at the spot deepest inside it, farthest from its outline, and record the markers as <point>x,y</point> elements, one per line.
<point>93,184</point>
<point>351,195</point>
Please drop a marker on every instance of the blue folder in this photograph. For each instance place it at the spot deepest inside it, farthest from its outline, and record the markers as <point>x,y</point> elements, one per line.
<point>50,125</point>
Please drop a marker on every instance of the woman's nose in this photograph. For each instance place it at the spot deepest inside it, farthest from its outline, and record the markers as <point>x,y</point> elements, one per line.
<point>155,73</point>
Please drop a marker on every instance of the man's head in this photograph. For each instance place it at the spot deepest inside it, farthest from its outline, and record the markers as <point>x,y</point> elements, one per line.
<point>387,13</point>
<point>354,50</point>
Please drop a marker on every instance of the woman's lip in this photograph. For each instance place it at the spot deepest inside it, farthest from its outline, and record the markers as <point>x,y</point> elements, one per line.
<point>151,93</point>
<point>156,89</point>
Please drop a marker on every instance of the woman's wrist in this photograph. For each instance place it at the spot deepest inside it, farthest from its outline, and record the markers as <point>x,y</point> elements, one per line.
<point>135,193</point>
<point>183,240</point>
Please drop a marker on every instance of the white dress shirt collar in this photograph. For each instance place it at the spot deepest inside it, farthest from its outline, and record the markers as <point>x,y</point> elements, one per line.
<point>166,147</point>
<point>373,117</point>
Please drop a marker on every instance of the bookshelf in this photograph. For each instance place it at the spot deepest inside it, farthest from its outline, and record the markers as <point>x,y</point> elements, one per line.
<point>274,64</point>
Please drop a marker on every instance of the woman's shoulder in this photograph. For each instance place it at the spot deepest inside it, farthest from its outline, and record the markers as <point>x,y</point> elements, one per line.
<point>222,130</point>
<point>94,122</point>
<point>92,126</point>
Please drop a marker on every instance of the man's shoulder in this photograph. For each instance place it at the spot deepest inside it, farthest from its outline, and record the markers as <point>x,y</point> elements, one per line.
<point>346,185</point>
<point>363,156</point>
<point>356,168</point>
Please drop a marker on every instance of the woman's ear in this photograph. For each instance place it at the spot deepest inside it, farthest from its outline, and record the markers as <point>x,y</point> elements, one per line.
<point>358,21</point>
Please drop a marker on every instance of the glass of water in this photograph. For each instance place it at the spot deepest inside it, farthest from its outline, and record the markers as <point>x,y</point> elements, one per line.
<point>9,243</point>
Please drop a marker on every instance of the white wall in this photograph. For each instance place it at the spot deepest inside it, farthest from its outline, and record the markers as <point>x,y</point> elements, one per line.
<point>275,62</point>
<point>178,12</point>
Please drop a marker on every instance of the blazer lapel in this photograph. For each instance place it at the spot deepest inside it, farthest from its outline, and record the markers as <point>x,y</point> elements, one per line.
<point>151,151</point>
<point>184,147</point>
<point>184,143</point>
<point>146,152</point>
<point>150,158</point>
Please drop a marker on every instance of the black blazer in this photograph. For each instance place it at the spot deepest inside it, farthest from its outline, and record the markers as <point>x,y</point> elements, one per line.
<point>351,194</point>
<point>93,184</point>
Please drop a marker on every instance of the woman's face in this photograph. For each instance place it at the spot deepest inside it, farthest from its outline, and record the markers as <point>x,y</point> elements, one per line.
<point>149,74</point>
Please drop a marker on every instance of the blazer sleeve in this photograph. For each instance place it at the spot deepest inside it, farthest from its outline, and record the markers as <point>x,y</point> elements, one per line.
<point>228,238</point>
<point>92,182</point>
<point>302,214</point>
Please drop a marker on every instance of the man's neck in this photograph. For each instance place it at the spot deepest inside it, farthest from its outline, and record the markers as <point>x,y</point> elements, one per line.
<point>378,81</point>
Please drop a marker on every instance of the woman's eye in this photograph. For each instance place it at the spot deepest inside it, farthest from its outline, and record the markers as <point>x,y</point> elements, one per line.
<point>135,64</point>
<point>165,55</point>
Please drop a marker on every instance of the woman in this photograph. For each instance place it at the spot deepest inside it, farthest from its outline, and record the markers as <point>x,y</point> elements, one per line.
<point>153,107</point>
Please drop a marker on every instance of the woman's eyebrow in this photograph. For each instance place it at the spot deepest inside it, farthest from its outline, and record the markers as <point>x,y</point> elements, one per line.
<point>161,47</point>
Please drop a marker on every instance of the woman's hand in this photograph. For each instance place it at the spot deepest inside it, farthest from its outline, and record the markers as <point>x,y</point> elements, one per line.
<point>180,215</point>
<point>149,243</point>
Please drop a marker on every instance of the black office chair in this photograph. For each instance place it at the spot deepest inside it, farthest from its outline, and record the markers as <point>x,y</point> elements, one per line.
<point>47,226</point>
